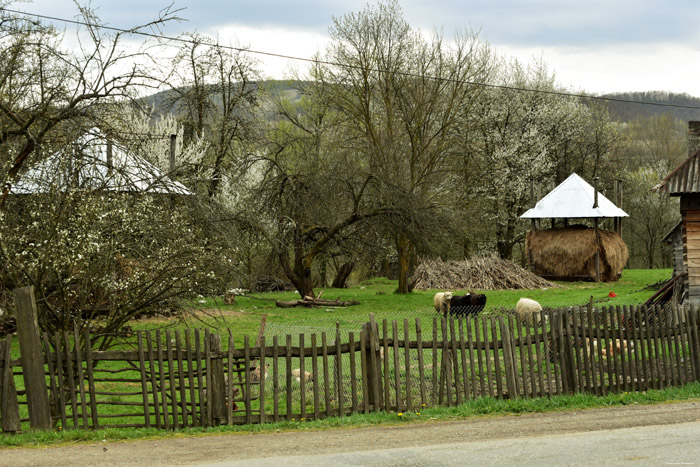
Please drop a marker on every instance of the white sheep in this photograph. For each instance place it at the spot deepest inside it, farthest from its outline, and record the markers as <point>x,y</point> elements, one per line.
<point>441,300</point>
<point>528,311</point>
<point>296,373</point>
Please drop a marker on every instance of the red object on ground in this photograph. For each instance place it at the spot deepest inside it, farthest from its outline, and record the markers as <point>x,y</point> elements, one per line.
<point>612,295</point>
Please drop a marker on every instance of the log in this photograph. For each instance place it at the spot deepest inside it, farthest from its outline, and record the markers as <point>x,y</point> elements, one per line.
<point>314,303</point>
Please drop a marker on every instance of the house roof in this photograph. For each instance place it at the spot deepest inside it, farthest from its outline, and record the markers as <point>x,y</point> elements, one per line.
<point>87,167</point>
<point>683,179</point>
<point>573,198</point>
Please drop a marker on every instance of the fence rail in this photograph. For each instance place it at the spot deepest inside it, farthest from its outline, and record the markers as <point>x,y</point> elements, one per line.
<point>180,379</point>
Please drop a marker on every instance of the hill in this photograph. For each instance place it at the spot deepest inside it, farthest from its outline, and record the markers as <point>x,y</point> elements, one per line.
<point>626,111</point>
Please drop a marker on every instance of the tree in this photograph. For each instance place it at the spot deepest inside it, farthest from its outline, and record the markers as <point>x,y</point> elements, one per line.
<point>216,96</point>
<point>45,89</point>
<point>403,97</point>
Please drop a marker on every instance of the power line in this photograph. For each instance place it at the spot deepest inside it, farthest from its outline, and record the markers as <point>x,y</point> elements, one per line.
<point>343,65</point>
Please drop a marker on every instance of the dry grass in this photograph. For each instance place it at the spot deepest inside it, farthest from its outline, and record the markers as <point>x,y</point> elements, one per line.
<point>570,252</point>
<point>481,273</point>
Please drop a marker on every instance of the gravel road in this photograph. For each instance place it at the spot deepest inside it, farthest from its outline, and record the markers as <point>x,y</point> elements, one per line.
<point>371,446</point>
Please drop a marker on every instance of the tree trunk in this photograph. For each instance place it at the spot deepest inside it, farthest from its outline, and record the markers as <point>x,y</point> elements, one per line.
<point>402,250</point>
<point>342,275</point>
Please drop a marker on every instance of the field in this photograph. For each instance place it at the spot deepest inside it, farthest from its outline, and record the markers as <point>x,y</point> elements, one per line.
<point>375,296</point>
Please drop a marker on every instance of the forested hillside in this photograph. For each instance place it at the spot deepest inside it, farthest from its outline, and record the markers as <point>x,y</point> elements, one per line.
<point>626,111</point>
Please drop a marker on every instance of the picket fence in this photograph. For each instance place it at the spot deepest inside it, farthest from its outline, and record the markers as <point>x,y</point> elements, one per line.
<point>175,379</point>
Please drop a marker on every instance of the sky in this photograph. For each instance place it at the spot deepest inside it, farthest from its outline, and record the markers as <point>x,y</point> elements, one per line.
<point>596,46</point>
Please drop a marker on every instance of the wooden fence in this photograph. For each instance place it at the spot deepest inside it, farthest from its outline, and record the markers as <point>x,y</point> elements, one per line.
<point>176,379</point>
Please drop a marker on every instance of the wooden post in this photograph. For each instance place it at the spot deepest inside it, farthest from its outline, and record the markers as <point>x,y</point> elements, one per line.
<point>173,148</point>
<point>218,384</point>
<point>32,359</point>
<point>373,358</point>
<point>595,227</point>
<point>9,408</point>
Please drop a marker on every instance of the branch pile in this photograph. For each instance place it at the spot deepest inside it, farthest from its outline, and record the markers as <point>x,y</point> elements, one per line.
<point>482,273</point>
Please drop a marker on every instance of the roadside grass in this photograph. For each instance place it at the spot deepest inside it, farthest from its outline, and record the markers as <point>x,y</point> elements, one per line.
<point>476,408</point>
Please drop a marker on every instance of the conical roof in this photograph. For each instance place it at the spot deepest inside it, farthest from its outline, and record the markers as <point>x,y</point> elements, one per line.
<point>87,167</point>
<point>573,198</point>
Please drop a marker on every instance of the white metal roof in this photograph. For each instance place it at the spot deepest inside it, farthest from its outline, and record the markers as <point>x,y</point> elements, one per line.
<point>86,167</point>
<point>573,198</point>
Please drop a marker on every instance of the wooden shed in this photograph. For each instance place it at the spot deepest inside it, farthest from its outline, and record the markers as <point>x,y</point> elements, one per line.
<point>684,181</point>
<point>576,252</point>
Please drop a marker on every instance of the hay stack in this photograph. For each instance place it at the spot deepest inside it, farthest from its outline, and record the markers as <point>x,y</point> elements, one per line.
<point>569,253</point>
<point>482,273</point>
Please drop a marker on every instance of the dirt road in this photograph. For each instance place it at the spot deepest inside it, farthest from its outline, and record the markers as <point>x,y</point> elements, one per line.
<point>239,447</point>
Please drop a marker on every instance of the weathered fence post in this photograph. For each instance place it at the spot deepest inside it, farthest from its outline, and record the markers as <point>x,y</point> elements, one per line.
<point>32,359</point>
<point>508,361</point>
<point>373,358</point>
<point>218,384</point>
<point>9,408</point>
<point>568,351</point>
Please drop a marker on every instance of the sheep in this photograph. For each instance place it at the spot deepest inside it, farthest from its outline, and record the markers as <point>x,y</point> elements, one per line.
<point>255,374</point>
<point>296,374</point>
<point>613,348</point>
<point>441,300</point>
<point>469,304</point>
<point>528,311</point>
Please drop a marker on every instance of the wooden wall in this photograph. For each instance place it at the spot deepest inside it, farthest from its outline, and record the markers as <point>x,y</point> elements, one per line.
<point>690,212</point>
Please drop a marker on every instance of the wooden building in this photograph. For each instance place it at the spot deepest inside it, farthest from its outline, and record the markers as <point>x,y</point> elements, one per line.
<point>684,181</point>
<point>675,239</point>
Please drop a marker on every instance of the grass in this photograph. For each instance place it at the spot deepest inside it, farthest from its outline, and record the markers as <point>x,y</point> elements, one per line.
<point>476,408</point>
<point>374,296</point>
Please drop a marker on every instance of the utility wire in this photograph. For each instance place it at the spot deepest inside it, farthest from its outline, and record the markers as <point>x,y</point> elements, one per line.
<point>344,65</point>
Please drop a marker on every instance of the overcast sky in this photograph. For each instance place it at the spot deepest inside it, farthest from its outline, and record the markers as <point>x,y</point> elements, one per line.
<point>598,46</point>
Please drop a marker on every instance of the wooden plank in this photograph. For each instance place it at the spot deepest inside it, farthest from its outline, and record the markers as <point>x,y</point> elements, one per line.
<point>445,395</point>
<point>660,349</point>
<point>599,348</point>
<point>52,374</point>
<point>477,348</point>
<point>650,349</point>
<point>555,349</point>
<point>339,373</point>
<point>58,345</point>
<point>363,367</point>
<point>314,369</point>
<point>547,363</point>
<point>561,352</point>
<point>642,377</point>
<point>509,365</point>
<point>373,371</point>
<point>81,376</point>
<point>610,361</point>
<point>91,380</point>
<point>530,362</point>
<point>171,379</point>
<point>200,378</point>
<point>162,382</point>
<point>568,345</point>
<point>144,381</point>
<point>276,377</point>
<point>152,371</point>
<point>229,384</point>
<point>435,389</point>
<point>487,352</point>
<point>353,374</point>
<point>71,382</point>
<point>693,342</point>
<point>620,334</point>
<point>510,323</point>
<point>326,377</point>
<point>247,363</point>
<point>538,354</point>
<point>576,349</point>
<point>397,365</point>
<point>209,379</point>
<point>421,365</point>
<point>263,375</point>
<point>496,360</point>
<point>407,364</point>
<point>385,344</point>
<point>32,360</point>
<point>8,395</point>
<point>463,354</point>
<point>675,345</point>
<point>191,377</point>
<point>455,361</point>
<point>302,376</point>
<point>522,356</point>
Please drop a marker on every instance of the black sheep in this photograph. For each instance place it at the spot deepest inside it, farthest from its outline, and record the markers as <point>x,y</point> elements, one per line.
<point>469,304</point>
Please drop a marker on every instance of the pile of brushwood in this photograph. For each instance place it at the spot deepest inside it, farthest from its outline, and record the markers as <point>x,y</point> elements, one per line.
<point>480,273</point>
